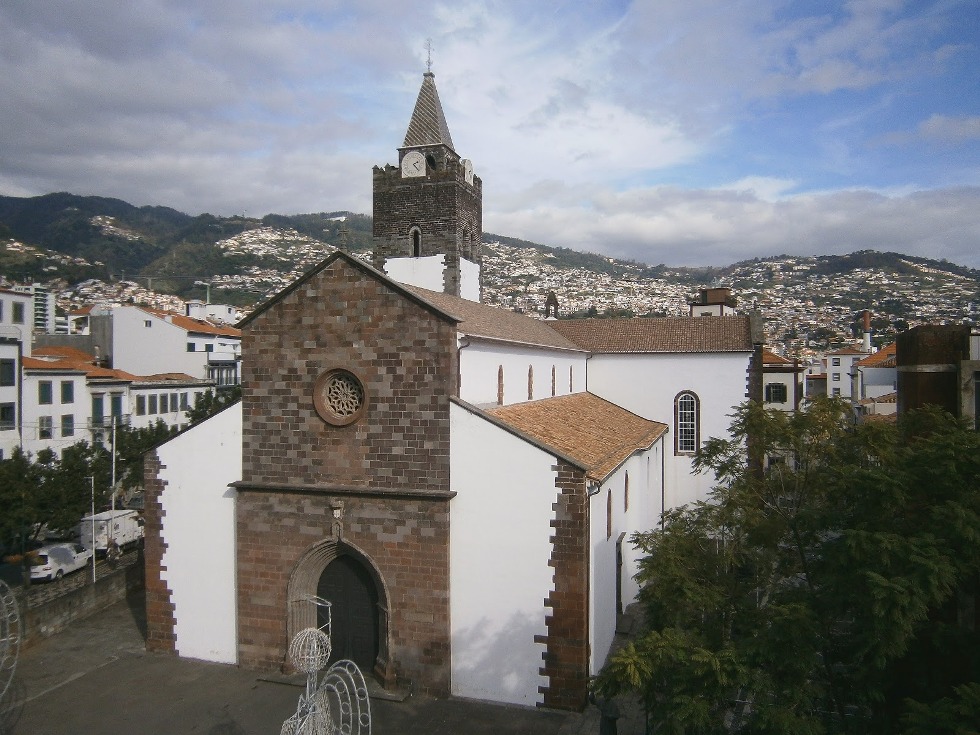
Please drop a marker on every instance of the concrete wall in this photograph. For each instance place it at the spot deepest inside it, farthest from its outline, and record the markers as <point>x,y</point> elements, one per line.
<point>57,614</point>
<point>481,362</point>
<point>198,533</point>
<point>499,553</point>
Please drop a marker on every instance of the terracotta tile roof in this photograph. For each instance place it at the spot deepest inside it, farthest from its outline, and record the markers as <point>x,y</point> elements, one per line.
<point>491,322</point>
<point>200,326</point>
<point>883,358</point>
<point>771,358</point>
<point>70,358</point>
<point>169,378</point>
<point>665,334</point>
<point>848,351</point>
<point>593,432</point>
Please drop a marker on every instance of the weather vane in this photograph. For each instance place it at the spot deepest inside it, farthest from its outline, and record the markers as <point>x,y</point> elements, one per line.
<point>428,61</point>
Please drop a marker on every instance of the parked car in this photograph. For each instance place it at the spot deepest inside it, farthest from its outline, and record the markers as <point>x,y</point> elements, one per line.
<point>56,560</point>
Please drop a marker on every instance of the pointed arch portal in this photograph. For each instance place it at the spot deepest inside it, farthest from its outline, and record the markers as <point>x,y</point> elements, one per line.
<point>343,575</point>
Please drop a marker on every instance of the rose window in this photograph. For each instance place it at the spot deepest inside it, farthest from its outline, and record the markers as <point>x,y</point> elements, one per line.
<point>339,397</point>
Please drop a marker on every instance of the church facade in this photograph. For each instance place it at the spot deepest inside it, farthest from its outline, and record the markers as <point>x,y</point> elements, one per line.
<point>458,480</point>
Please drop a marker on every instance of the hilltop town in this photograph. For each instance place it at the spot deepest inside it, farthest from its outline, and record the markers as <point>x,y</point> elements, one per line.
<point>809,303</point>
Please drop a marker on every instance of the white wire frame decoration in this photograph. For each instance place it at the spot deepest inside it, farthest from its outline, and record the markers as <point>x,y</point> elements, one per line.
<point>338,701</point>
<point>10,636</point>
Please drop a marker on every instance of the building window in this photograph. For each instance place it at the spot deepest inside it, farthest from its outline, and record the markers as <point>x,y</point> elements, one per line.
<point>416,235</point>
<point>500,385</point>
<point>153,404</point>
<point>191,347</point>
<point>553,380</point>
<point>8,372</point>
<point>609,523</point>
<point>173,401</point>
<point>147,323</point>
<point>164,403</point>
<point>98,410</point>
<point>67,391</point>
<point>184,405</point>
<point>686,420</point>
<point>570,389</point>
<point>209,348</point>
<point>835,361</point>
<point>45,392</point>
<point>836,391</point>
<point>530,382</point>
<point>45,427</point>
<point>776,393</point>
<point>141,405</point>
<point>626,493</point>
<point>8,416</point>
<point>835,376</point>
<point>17,313</point>
<point>68,424</point>
<point>116,402</point>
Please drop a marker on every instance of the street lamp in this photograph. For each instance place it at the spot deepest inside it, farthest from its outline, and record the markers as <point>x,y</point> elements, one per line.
<point>92,517</point>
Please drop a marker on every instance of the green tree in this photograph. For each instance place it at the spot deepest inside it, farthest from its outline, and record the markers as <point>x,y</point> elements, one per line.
<point>822,588</point>
<point>210,402</point>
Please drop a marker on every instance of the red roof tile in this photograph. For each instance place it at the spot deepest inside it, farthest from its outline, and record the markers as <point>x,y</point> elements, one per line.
<point>589,430</point>
<point>885,357</point>
<point>666,334</point>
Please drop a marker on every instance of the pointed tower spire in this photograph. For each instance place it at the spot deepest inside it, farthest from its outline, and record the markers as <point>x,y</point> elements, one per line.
<point>428,124</point>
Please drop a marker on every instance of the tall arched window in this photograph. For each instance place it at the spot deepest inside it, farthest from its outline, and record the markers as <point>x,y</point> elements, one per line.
<point>416,234</point>
<point>626,493</point>
<point>553,380</point>
<point>530,382</point>
<point>500,385</point>
<point>609,523</point>
<point>686,423</point>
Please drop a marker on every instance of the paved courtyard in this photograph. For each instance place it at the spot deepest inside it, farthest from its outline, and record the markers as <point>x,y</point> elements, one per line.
<point>97,678</point>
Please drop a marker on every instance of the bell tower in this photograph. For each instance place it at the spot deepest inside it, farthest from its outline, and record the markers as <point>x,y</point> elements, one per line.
<point>428,209</point>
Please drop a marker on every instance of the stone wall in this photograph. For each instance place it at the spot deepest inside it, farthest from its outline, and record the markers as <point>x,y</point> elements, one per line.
<point>566,659</point>
<point>379,485</point>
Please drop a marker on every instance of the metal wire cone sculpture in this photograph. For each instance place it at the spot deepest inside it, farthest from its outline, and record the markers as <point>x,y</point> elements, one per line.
<point>336,703</point>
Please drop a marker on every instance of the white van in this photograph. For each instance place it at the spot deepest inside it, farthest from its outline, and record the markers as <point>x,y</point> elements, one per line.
<point>56,560</point>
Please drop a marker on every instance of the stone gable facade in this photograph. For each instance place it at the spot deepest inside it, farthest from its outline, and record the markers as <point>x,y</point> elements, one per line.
<point>376,489</point>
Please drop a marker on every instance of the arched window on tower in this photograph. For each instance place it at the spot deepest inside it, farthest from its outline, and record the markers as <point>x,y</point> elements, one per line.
<point>416,235</point>
<point>464,249</point>
<point>687,419</point>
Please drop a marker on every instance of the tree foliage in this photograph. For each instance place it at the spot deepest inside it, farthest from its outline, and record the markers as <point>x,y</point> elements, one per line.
<point>211,402</point>
<point>828,586</point>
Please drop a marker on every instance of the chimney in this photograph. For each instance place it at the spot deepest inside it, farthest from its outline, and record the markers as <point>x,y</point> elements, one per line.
<point>867,332</point>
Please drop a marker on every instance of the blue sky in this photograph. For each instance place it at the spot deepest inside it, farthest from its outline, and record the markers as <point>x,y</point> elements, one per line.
<point>689,133</point>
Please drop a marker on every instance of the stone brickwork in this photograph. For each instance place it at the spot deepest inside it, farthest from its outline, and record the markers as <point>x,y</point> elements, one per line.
<point>388,471</point>
<point>404,355</point>
<point>566,657</point>
<point>160,619</point>
<point>407,541</point>
<point>447,210</point>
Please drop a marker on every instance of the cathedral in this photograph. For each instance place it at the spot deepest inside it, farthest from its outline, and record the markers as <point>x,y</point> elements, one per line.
<point>458,480</point>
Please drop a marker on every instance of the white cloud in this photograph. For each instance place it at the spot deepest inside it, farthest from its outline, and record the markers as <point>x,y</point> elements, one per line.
<point>952,130</point>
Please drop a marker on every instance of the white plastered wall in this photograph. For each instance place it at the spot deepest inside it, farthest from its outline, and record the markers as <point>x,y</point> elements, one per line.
<point>148,350</point>
<point>480,363</point>
<point>647,385</point>
<point>499,552</point>
<point>644,470</point>
<point>199,534</point>
<point>424,272</point>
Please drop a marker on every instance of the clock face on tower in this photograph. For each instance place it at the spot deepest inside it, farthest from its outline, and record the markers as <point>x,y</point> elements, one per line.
<point>413,164</point>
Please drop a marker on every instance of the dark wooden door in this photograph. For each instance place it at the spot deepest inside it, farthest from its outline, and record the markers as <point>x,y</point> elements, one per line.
<point>349,587</point>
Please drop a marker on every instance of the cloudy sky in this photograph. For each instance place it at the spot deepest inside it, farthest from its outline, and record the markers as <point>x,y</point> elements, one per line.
<point>694,132</point>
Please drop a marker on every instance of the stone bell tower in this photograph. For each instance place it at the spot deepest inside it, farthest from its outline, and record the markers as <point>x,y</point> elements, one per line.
<point>428,210</point>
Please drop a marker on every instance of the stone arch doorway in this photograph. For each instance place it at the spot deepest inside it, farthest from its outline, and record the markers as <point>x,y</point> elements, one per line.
<point>353,616</point>
<point>352,583</point>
